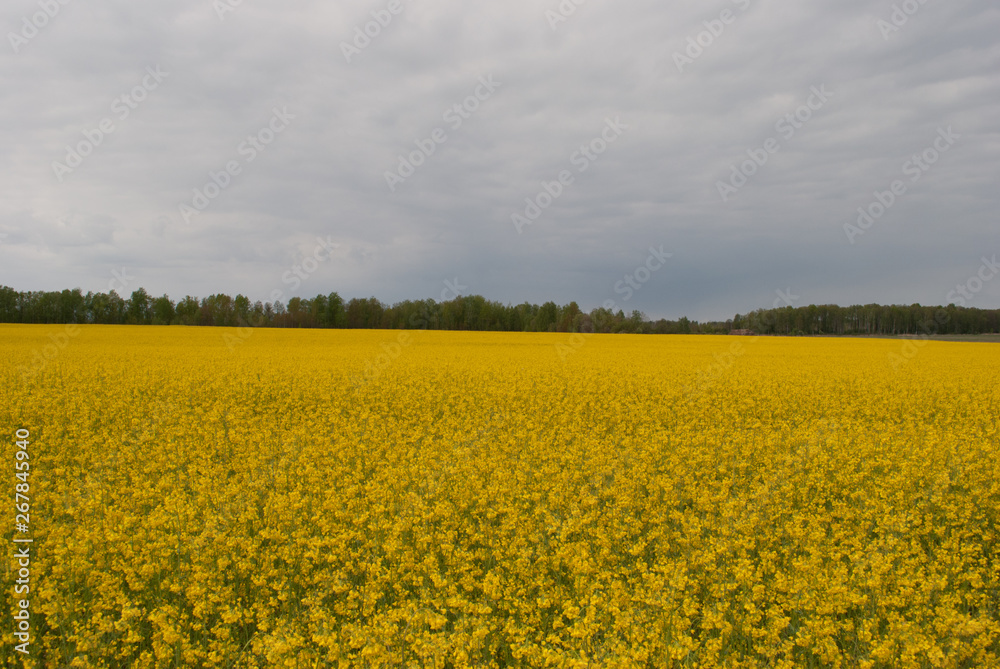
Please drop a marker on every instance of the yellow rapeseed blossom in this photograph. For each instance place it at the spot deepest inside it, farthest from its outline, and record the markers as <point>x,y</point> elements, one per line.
<point>487,502</point>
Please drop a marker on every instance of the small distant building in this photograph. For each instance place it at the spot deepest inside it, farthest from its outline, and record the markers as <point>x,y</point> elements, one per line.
<point>743,333</point>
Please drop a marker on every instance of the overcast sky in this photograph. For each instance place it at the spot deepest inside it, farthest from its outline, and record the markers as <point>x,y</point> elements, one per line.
<point>115,113</point>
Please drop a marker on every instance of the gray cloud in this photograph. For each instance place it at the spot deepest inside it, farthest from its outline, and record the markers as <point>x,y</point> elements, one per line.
<point>324,175</point>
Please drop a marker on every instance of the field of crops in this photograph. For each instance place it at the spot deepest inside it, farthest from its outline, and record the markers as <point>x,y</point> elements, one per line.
<point>209,498</point>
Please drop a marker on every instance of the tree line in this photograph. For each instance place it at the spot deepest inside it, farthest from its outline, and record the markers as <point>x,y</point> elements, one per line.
<point>472,312</point>
<point>870,319</point>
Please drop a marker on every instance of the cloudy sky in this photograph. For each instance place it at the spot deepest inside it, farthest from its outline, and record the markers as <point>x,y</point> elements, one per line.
<point>193,147</point>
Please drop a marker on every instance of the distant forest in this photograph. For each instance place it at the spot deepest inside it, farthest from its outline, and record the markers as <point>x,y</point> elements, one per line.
<point>474,313</point>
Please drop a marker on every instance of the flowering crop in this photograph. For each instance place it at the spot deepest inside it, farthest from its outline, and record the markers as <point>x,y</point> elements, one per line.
<point>484,501</point>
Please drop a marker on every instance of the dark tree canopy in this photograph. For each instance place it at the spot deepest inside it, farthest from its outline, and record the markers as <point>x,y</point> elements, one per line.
<point>474,312</point>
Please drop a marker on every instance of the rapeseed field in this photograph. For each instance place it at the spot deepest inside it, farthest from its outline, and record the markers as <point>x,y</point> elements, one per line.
<point>212,498</point>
